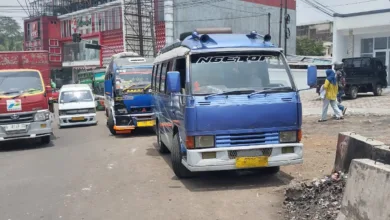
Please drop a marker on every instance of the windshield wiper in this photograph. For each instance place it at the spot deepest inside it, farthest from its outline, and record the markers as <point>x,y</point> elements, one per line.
<point>234,92</point>
<point>11,92</point>
<point>274,89</point>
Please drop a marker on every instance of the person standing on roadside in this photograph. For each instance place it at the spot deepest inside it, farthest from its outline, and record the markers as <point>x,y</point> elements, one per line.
<point>331,90</point>
<point>340,75</point>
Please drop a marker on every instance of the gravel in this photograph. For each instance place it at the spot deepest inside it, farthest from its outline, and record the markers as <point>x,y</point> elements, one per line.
<point>319,199</point>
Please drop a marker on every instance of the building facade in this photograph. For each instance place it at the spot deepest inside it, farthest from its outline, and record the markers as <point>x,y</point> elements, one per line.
<point>40,33</point>
<point>321,31</point>
<point>243,16</point>
<point>362,34</point>
<point>101,24</point>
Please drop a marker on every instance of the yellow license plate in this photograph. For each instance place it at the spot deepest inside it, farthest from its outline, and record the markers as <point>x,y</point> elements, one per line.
<point>77,118</point>
<point>251,162</point>
<point>145,123</point>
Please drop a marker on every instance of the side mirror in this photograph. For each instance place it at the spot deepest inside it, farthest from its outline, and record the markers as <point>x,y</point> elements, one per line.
<point>312,76</point>
<point>173,82</point>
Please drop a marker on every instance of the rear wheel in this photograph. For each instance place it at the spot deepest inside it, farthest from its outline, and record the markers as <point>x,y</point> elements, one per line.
<point>45,139</point>
<point>353,92</point>
<point>162,148</point>
<point>110,124</point>
<point>176,155</point>
<point>378,90</point>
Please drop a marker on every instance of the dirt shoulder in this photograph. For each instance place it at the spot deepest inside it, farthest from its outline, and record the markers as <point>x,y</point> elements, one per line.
<point>320,141</point>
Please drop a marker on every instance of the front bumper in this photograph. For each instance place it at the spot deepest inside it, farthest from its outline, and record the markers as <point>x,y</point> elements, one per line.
<point>132,121</point>
<point>34,130</point>
<point>69,120</point>
<point>226,156</point>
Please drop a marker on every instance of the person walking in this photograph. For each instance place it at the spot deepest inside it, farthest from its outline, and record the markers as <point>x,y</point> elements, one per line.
<point>340,75</point>
<point>331,90</point>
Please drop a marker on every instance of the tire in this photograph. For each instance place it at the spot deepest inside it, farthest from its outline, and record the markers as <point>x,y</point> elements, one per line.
<point>45,140</point>
<point>162,148</point>
<point>178,168</point>
<point>378,90</point>
<point>110,124</point>
<point>272,170</point>
<point>353,92</point>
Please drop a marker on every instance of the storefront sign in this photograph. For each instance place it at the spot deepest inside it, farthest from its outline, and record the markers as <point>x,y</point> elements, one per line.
<point>84,22</point>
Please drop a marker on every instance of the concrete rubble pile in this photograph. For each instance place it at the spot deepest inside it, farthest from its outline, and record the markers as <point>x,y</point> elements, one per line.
<point>319,199</point>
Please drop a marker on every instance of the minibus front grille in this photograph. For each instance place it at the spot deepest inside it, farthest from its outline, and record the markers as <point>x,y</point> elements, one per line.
<point>246,139</point>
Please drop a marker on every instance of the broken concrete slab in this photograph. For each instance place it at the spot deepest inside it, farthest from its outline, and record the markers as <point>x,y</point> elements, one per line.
<point>367,193</point>
<point>354,146</point>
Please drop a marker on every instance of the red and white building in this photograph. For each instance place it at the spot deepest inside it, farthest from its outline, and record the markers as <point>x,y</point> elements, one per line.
<point>41,33</point>
<point>102,24</point>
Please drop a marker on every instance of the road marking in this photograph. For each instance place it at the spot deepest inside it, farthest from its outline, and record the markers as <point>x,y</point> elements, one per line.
<point>133,150</point>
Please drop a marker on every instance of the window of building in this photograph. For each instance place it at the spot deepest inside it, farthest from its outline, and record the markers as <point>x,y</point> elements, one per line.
<point>78,52</point>
<point>380,43</point>
<point>367,47</point>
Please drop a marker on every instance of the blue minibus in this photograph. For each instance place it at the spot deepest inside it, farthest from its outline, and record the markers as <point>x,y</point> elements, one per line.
<point>127,93</point>
<point>226,101</point>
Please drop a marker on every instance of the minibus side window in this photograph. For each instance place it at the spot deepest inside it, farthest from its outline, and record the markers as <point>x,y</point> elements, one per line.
<point>158,73</point>
<point>163,77</point>
<point>153,77</point>
<point>180,66</point>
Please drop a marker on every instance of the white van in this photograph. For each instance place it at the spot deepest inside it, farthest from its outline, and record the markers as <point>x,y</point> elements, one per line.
<point>76,105</point>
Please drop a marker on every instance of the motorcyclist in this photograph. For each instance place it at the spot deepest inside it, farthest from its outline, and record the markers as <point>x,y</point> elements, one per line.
<point>340,76</point>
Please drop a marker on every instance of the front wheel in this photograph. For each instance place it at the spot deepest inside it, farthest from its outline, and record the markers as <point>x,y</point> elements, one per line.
<point>272,170</point>
<point>110,124</point>
<point>45,139</point>
<point>176,155</point>
<point>378,90</point>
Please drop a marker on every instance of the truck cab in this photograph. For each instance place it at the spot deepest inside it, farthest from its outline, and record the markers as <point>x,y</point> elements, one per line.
<point>226,101</point>
<point>24,106</point>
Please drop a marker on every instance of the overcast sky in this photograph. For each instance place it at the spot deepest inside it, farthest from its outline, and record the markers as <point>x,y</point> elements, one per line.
<point>305,13</point>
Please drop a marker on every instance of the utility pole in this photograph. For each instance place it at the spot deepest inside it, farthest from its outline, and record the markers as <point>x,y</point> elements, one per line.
<point>269,23</point>
<point>280,23</point>
<point>152,33</point>
<point>285,27</point>
<point>140,31</point>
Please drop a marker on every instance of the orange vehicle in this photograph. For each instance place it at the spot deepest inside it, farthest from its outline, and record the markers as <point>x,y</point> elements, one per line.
<point>24,102</point>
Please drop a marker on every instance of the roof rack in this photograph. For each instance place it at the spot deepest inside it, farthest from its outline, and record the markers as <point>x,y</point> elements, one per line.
<point>206,31</point>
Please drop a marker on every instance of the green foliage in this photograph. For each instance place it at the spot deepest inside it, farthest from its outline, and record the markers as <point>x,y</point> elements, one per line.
<point>309,47</point>
<point>11,37</point>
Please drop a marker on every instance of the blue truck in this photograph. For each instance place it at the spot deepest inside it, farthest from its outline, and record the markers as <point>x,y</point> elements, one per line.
<point>226,101</point>
<point>127,93</point>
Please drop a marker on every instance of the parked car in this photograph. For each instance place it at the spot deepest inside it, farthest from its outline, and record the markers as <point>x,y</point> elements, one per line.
<point>363,74</point>
<point>76,106</point>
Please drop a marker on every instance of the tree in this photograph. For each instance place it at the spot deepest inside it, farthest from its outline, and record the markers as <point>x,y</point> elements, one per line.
<point>11,37</point>
<point>309,47</point>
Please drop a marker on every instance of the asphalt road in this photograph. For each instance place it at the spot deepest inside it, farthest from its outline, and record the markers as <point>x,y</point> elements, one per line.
<point>87,174</point>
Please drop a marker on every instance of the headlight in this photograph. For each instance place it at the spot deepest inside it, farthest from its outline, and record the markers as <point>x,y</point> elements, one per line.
<point>42,115</point>
<point>204,141</point>
<point>288,136</point>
